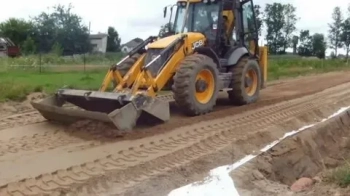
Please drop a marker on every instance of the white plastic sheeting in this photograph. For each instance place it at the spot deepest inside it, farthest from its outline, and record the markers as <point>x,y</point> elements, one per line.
<point>219,181</point>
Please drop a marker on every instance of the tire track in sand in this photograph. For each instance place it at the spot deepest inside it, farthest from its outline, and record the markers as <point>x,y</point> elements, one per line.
<point>54,139</point>
<point>50,139</point>
<point>26,118</point>
<point>316,83</point>
<point>183,145</point>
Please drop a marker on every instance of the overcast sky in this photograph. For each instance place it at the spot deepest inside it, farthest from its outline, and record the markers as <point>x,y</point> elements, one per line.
<point>141,18</point>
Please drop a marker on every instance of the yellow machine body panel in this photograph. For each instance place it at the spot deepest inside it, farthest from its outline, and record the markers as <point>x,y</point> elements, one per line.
<point>164,42</point>
<point>131,75</point>
<point>180,52</point>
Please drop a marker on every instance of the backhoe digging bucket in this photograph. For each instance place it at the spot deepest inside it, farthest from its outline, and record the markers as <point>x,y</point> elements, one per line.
<point>121,109</point>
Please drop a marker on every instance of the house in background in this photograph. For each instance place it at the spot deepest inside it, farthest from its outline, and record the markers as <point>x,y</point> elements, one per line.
<point>3,47</point>
<point>8,48</point>
<point>98,42</point>
<point>127,47</point>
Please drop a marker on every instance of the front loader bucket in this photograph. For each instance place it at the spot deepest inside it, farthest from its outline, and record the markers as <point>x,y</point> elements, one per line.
<point>120,109</point>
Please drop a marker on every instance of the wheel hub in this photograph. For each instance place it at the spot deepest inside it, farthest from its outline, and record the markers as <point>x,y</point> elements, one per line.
<point>201,85</point>
<point>248,82</point>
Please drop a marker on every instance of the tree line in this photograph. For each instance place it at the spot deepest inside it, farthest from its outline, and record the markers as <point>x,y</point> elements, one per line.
<point>60,31</point>
<point>281,33</point>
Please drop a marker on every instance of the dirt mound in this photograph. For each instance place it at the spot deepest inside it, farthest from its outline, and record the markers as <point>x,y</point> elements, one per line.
<point>304,155</point>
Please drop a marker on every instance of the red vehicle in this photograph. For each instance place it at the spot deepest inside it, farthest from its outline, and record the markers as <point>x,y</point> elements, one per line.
<point>8,48</point>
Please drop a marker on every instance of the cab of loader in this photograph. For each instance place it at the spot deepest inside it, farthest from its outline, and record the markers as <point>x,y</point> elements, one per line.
<point>224,23</point>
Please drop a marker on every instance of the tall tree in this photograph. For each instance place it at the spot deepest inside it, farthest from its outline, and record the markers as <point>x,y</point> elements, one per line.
<point>28,46</point>
<point>345,36</point>
<point>333,55</point>
<point>290,20</point>
<point>16,29</point>
<point>319,45</point>
<point>345,33</point>
<point>259,19</point>
<point>274,21</point>
<point>305,48</point>
<point>335,30</point>
<point>63,27</point>
<point>295,41</point>
<point>113,40</point>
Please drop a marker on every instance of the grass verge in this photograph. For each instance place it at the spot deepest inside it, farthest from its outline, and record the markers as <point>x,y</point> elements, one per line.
<point>18,81</point>
<point>339,176</point>
<point>287,68</point>
<point>17,85</point>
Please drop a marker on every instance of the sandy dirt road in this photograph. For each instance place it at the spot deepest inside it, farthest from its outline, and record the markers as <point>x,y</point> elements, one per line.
<point>37,157</point>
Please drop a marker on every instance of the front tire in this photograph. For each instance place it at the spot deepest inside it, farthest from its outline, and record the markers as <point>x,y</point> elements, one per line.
<point>246,82</point>
<point>195,85</point>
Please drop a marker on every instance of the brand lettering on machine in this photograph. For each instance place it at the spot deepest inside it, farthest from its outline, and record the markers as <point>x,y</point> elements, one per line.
<point>197,44</point>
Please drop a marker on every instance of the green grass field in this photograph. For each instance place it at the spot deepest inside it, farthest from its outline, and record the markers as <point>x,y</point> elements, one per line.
<point>16,85</point>
<point>21,76</point>
<point>339,175</point>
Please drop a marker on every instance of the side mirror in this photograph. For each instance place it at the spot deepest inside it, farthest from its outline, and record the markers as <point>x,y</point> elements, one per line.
<point>165,11</point>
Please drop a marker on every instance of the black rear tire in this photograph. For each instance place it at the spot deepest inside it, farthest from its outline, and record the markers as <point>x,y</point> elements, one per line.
<point>239,95</point>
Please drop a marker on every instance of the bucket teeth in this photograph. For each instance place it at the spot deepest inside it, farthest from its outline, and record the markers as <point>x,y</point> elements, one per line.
<point>104,107</point>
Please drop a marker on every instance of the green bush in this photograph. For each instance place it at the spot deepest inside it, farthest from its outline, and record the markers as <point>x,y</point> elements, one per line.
<point>339,175</point>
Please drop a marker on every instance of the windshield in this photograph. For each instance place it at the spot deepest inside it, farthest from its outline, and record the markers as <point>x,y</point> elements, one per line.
<point>201,17</point>
<point>179,19</point>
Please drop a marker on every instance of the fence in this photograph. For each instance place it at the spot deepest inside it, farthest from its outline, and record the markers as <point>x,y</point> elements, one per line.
<point>100,62</point>
<point>53,63</point>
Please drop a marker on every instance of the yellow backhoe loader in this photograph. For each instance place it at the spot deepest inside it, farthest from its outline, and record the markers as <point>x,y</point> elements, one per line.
<point>199,57</point>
